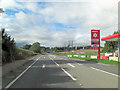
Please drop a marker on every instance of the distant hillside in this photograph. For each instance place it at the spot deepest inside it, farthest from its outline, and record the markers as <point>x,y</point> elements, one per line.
<point>21,44</point>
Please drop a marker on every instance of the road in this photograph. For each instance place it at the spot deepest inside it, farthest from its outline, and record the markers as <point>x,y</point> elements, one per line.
<point>50,71</point>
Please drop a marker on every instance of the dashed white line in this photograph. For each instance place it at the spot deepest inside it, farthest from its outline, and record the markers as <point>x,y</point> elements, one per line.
<point>103,64</point>
<point>43,66</point>
<point>70,65</point>
<point>105,72</point>
<point>69,75</point>
<point>80,64</point>
<point>20,75</point>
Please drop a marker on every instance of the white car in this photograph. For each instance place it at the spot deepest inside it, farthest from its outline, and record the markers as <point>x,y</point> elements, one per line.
<point>108,54</point>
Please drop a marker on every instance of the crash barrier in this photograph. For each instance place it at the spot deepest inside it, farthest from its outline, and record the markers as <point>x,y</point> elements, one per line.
<point>95,57</point>
<point>113,58</point>
<point>70,55</point>
<point>83,56</point>
<point>104,57</point>
<point>76,55</point>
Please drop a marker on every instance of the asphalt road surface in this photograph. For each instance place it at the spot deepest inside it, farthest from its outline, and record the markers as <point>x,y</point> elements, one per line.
<point>50,71</point>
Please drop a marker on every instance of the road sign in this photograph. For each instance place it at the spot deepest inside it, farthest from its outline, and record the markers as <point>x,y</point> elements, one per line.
<point>95,41</point>
<point>118,46</point>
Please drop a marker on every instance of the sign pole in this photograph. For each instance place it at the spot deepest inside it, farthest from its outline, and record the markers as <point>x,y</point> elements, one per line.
<point>99,46</point>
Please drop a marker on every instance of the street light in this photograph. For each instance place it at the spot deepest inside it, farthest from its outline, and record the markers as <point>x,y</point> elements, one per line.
<point>1,10</point>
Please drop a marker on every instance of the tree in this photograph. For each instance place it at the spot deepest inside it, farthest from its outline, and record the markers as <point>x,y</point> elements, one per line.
<point>26,46</point>
<point>110,46</point>
<point>8,47</point>
<point>35,47</point>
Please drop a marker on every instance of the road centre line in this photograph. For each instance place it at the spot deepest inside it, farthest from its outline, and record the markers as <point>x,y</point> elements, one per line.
<point>69,75</point>
<point>105,72</point>
<point>70,65</point>
<point>11,83</point>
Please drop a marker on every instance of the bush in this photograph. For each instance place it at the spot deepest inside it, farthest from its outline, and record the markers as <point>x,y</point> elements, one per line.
<point>22,53</point>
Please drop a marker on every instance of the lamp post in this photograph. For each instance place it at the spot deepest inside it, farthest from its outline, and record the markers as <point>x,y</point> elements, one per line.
<point>1,10</point>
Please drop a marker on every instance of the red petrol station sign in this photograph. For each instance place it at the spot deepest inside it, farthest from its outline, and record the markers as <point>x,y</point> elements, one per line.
<point>95,41</point>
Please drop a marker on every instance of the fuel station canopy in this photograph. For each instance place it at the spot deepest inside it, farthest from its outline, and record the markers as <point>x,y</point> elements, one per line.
<point>113,37</point>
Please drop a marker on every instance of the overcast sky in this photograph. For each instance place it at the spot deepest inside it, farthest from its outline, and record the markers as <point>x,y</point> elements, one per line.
<point>54,23</point>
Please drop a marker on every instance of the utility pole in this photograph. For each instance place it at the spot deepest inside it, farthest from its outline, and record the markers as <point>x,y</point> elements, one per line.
<point>69,46</point>
<point>72,45</point>
<point>1,10</point>
<point>64,47</point>
<point>76,47</point>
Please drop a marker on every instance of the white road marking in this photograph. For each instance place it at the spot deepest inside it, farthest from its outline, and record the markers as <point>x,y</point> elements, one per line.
<point>57,64</point>
<point>69,75</point>
<point>103,64</point>
<point>80,64</point>
<point>43,66</point>
<point>105,72</point>
<point>36,66</point>
<point>64,70</point>
<point>80,84</point>
<point>70,65</point>
<point>44,57</point>
<point>20,74</point>
<point>54,62</point>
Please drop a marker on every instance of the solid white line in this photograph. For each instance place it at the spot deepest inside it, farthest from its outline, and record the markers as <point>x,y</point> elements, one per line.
<point>64,70</point>
<point>54,62</point>
<point>105,72</point>
<point>57,64</point>
<point>69,75</point>
<point>70,65</point>
<point>43,66</point>
<point>20,74</point>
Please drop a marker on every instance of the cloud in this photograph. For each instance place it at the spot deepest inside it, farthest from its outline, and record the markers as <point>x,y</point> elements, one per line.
<point>50,23</point>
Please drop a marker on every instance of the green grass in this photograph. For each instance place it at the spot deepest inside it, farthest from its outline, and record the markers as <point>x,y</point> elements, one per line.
<point>36,57</point>
<point>111,62</point>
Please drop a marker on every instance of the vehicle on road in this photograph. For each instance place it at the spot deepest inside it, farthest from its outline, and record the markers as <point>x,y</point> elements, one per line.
<point>108,54</point>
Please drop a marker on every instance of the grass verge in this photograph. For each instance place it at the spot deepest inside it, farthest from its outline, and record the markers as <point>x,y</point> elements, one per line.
<point>111,62</point>
<point>19,67</point>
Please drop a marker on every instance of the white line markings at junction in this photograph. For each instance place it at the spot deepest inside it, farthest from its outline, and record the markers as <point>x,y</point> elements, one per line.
<point>69,75</point>
<point>105,72</point>
<point>70,65</point>
<point>64,71</point>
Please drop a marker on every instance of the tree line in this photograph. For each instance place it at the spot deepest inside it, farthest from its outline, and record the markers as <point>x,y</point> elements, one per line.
<point>10,52</point>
